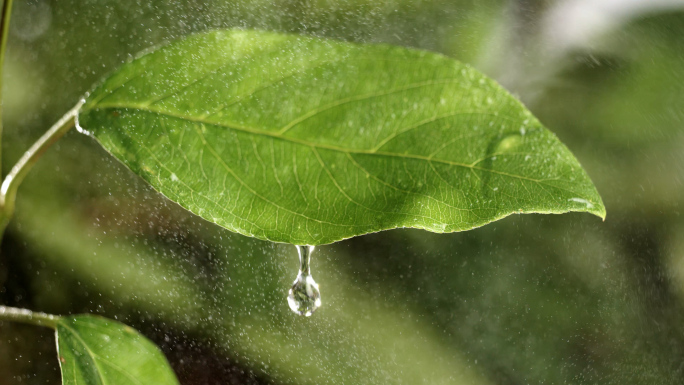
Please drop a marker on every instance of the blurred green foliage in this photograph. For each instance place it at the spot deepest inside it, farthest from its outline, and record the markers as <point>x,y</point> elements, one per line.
<point>529,299</point>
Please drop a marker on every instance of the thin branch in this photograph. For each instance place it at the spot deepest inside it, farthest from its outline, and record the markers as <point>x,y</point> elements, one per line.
<point>8,190</point>
<point>28,317</point>
<point>4,32</point>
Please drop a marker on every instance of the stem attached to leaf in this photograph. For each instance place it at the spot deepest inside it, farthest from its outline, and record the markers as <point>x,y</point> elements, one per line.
<point>28,317</point>
<point>8,190</point>
<point>4,31</point>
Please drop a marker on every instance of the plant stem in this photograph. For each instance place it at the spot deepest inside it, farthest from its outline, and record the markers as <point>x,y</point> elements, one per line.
<point>28,317</point>
<point>8,190</point>
<point>4,32</point>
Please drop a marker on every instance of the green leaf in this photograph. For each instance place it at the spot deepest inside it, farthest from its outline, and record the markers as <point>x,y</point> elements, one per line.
<point>309,141</point>
<point>96,351</point>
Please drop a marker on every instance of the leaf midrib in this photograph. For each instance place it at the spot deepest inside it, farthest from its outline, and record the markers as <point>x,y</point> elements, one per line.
<point>95,357</point>
<point>91,354</point>
<point>276,135</point>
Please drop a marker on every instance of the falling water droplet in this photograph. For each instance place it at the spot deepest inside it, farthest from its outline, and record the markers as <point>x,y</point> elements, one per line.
<point>304,297</point>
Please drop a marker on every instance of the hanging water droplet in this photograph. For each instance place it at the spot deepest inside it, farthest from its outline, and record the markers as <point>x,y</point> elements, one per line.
<point>304,297</point>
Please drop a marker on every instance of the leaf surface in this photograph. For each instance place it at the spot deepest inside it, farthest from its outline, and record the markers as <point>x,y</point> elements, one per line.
<point>97,351</point>
<point>309,141</point>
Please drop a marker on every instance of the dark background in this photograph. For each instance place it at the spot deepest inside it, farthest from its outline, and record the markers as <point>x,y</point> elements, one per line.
<point>529,299</point>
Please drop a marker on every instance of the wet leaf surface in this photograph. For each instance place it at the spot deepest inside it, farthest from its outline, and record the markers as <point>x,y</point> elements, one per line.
<point>308,141</point>
<point>97,351</point>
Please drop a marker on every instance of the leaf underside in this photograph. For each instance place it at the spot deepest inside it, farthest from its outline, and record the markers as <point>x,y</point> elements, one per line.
<point>96,351</point>
<point>309,141</point>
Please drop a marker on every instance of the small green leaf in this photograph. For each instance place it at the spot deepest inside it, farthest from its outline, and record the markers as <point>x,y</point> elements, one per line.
<point>309,141</point>
<point>97,351</point>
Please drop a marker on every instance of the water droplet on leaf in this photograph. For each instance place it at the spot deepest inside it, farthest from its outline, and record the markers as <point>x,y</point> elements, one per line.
<point>304,297</point>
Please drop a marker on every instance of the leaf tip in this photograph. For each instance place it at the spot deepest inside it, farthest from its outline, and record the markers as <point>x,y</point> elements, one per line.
<point>599,210</point>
